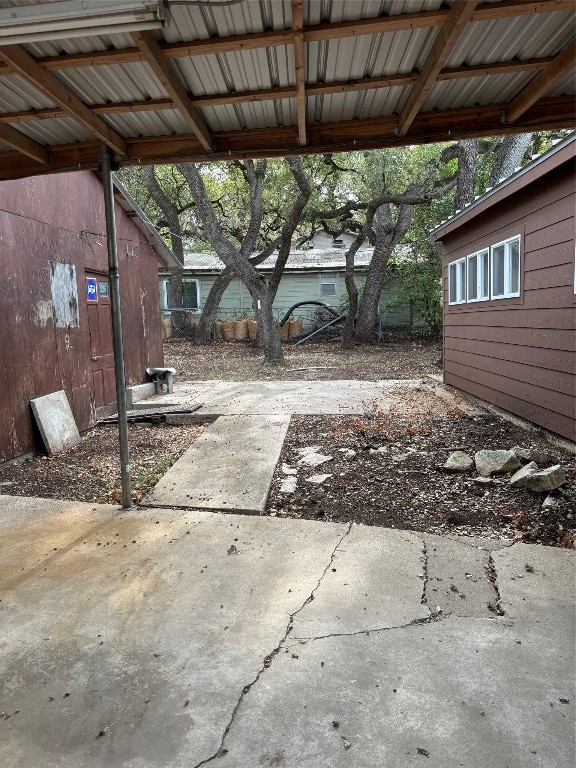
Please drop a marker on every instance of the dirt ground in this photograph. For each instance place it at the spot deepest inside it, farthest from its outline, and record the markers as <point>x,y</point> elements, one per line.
<point>237,361</point>
<point>385,469</point>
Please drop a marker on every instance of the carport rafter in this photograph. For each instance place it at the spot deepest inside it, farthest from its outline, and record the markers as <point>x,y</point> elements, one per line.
<point>300,76</point>
<point>542,83</point>
<point>460,14</point>
<point>50,86</point>
<point>23,144</point>
<point>163,70</point>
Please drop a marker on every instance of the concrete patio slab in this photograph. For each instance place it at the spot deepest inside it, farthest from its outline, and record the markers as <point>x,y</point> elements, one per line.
<point>303,397</point>
<point>168,639</point>
<point>230,466</point>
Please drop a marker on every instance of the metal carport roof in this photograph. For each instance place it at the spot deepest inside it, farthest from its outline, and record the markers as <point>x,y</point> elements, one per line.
<point>224,79</point>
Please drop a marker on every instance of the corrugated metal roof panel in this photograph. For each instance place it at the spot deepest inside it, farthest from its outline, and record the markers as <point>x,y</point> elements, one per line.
<point>464,93</point>
<point>17,94</point>
<point>55,131</point>
<point>121,82</point>
<point>542,34</point>
<point>164,122</point>
<point>566,86</point>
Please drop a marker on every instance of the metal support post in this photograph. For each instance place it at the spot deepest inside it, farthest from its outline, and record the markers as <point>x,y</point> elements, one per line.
<point>116,326</point>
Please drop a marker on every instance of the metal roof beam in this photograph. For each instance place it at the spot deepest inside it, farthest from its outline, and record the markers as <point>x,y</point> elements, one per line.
<point>56,91</point>
<point>297,25</point>
<point>542,83</point>
<point>165,73</point>
<point>461,13</point>
<point>23,144</point>
<point>253,40</point>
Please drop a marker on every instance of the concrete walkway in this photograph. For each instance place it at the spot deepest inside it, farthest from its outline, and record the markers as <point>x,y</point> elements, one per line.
<point>166,639</point>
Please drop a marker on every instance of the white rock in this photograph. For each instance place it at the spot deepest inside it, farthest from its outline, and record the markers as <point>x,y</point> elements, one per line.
<point>520,478</point>
<point>458,461</point>
<point>547,479</point>
<point>308,449</point>
<point>314,459</point>
<point>288,485</point>
<point>348,452</point>
<point>317,479</point>
<point>496,462</point>
<point>400,457</point>
<point>287,470</point>
<point>381,449</point>
<point>550,502</point>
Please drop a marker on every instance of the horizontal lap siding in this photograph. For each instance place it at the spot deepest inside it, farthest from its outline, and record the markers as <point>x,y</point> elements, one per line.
<point>520,353</point>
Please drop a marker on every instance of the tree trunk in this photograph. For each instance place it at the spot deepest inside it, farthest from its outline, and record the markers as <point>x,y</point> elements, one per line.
<point>509,156</point>
<point>467,167</point>
<point>388,234</point>
<point>210,308</point>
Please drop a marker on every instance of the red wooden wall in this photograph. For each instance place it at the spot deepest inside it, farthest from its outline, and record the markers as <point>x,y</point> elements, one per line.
<point>61,218</point>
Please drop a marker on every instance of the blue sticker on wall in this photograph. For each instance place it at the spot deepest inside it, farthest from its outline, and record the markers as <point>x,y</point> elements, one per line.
<point>91,289</point>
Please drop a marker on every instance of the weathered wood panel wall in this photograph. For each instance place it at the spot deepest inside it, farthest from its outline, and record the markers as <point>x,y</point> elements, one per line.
<point>520,353</point>
<point>61,219</point>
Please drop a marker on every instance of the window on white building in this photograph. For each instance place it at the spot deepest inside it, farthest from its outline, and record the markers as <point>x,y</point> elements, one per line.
<point>506,268</point>
<point>478,284</point>
<point>190,294</point>
<point>457,282</point>
<point>327,284</point>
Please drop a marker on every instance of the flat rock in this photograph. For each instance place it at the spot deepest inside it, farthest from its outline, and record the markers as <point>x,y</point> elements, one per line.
<point>288,485</point>
<point>314,459</point>
<point>550,502</point>
<point>533,454</point>
<point>458,461</point>
<point>288,470</point>
<point>546,479</point>
<point>520,478</point>
<point>317,479</point>
<point>496,462</point>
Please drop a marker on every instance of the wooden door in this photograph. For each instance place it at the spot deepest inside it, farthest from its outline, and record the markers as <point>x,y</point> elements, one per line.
<point>101,347</point>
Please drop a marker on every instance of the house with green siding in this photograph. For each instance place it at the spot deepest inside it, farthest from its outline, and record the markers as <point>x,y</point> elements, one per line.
<point>312,274</point>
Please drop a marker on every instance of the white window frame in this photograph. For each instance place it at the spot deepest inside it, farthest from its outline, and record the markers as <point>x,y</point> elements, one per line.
<point>164,281</point>
<point>197,284</point>
<point>460,270</point>
<point>328,278</point>
<point>482,271</point>
<point>508,293</point>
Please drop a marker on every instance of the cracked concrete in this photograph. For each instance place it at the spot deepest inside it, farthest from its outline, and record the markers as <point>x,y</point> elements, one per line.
<point>171,639</point>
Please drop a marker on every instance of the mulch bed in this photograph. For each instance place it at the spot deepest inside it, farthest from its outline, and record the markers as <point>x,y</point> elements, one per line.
<point>91,471</point>
<point>404,485</point>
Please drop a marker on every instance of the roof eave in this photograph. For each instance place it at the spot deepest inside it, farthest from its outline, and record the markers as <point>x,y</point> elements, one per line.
<point>560,153</point>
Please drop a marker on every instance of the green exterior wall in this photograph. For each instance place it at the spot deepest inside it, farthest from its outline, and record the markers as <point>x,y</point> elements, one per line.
<point>293,288</point>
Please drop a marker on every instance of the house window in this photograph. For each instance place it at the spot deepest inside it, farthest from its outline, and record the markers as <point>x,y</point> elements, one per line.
<point>457,282</point>
<point>164,282</point>
<point>327,284</point>
<point>506,268</point>
<point>190,294</point>
<point>478,288</point>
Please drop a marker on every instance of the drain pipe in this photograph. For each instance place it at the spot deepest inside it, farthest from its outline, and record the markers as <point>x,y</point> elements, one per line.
<point>116,326</point>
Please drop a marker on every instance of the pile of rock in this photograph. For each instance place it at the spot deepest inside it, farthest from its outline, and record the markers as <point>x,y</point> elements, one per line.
<point>524,463</point>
